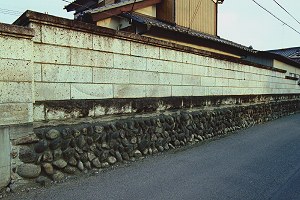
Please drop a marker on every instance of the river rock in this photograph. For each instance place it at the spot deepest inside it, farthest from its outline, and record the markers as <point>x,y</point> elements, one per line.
<point>60,163</point>
<point>137,154</point>
<point>80,166</point>
<point>41,146</point>
<point>111,160</point>
<point>58,176</point>
<point>48,168</point>
<point>29,170</point>
<point>27,155</point>
<point>69,170</point>
<point>47,156</point>
<point>96,163</point>
<point>52,134</point>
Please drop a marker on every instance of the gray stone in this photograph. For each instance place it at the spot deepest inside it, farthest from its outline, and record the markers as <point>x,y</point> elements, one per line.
<point>58,176</point>
<point>87,165</point>
<point>55,144</point>
<point>145,152</point>
<point>57,154</point>
<point>60,163</point>
<point>119,156</point>
<point>112,160</point>
<point>137,154</point>
<point>52,134</point>
<point>81,141</point>
<point>27,155</point>
<point>105,145</point>
<point>80,166</point>
<point>96,163</point>
<point>91,156</point>
<point>48,168</point>
<point>155,150</point>
<point>41,146</point>
<point>69,170</point>
<point>105,165</point>
<point>28,139</point>
<point>29,170</point>
<point>76,133</point>
<point>42,180</point>
<point>47,156</point>
<point>72,161</point>
<point>125,156</point>
<point>133,140</point>
<point>160,148</point>
<point>99,129</point>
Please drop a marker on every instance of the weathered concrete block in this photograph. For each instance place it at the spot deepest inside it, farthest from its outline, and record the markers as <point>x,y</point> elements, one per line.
<point>159,65</point>
<point>63,73</point>
<point>102,59</point>
<point>4,157</point>
<point>15,113</point>
<point>199,70</point>
<point>129,62</point>
<point>172,55</point>
<point>208,81</point>
<point>82,57</point>
<point>222,82</point>
<point>191,80</point>
<point>91,91</point>
<point>37,71</point>
<point>81,39</point>
<point>38,112</point>
<point>129,91</point>
<point>55,35</point>
<point>52,91</point>
<point>105,75</point>
<point>170,79</point>
<point>16,48</point>
<point>199,91</point>
<point>143,50</point>
<point>12,92</point>
<point>181,68</point>
<point>182,91</point>
<point>142,77</point>
<point>15,70</point>
<point>109,44</point>
<point>158,91</point>
<point>44,53</point>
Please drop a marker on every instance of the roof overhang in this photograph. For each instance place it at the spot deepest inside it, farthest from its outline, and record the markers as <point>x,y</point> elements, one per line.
<point>118,8</point>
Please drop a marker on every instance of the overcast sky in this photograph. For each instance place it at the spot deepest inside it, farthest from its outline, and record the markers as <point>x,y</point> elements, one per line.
<point>241,21</point>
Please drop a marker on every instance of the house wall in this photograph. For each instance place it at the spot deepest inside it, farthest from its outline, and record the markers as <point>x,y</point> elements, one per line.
<point>58,71</point>
<point>197,15</point>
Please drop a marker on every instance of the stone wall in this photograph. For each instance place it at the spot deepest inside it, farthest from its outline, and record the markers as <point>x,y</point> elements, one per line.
<point>16,79</point>
<point>59,151</point>
<point>56,71</point>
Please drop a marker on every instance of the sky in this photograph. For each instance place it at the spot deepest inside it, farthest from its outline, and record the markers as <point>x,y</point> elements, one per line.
<point>241,21</point>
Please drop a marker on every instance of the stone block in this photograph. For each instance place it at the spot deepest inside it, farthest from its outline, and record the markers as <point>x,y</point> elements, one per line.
<point>103,59</point>
<point>38,112</point>
<point>199,70</point>
<point>208,81</point>
<point>199,91</point>
<point>142,77</point>
<point>182,68</point>
<point>12,92</point>
<point>182,91</point>
<point>109,44</point>
<point>15,70</point>
<point>81,39</point>
<point>170,79</point>
<point>172,55</point>
<point>37,32</point>
<point>158,91</point>
<point>214,91</point>
<point>55,35</point>
<point>15,113</point>
<point>222,82</point>
<point>37,71</point>
<point>129,91</point>
<point>143,50</point>
<point>129,62</point>
<point>91,91</point>
<point>16,48</point>
<point>52,91</point>
<point>159,65</point>
<point>106,75</point>
<point>44,53</point>
<point>191,80</point>
<point>64,73</point>
<point>82,57</point>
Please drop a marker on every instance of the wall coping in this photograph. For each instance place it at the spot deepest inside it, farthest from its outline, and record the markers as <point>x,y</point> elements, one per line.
<point>34,17</point>
<point>16,31</point>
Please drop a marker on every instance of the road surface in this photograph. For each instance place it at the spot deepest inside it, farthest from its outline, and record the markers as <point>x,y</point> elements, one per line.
<point>262,162</point>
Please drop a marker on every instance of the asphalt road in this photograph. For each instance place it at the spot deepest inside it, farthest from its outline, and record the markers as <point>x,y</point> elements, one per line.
<point>262,162</point>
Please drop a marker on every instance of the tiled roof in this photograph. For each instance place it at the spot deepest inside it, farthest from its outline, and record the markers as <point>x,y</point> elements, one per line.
<point>290,53</point>
<point>111,6</point>
<point>150,21</point>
